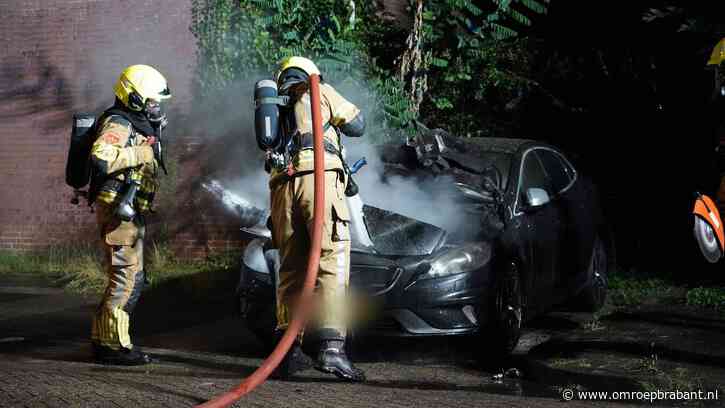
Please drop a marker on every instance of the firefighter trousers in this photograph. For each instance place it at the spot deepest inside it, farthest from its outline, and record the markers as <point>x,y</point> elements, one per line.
<point>122,246</point>
<point>292,206</point>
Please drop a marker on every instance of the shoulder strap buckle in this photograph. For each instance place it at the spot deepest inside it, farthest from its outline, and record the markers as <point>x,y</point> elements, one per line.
<point>278,100</point>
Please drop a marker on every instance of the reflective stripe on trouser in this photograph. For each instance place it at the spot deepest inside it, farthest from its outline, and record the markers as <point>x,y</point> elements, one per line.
<point>122,245</point>
<point>292,216</point>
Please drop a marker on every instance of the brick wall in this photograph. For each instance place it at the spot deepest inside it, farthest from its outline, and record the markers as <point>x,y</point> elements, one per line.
<point>59,57</point>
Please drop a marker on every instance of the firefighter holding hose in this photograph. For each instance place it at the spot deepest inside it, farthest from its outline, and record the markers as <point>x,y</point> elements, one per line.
<point>290,163</point>
<point>126,156</point>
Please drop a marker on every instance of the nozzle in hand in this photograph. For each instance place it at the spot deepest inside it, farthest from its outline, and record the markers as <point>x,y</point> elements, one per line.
<point>358,165</point>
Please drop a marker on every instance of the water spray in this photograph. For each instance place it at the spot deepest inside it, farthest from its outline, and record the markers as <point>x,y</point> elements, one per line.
<point>313,264</point>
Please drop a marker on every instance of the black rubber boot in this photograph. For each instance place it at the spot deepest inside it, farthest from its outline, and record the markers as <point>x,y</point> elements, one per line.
<point>332,359</point>
<point>293,362</point>
<point>122,356</point>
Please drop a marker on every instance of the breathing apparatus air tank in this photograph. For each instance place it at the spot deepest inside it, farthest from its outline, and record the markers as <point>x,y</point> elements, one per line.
<point>78,165</point>
<point>266,114</point>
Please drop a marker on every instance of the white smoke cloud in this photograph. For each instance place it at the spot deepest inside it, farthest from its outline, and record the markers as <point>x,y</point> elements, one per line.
<point>239,163</point>
<point>223,125</point>
<point>431,200</point>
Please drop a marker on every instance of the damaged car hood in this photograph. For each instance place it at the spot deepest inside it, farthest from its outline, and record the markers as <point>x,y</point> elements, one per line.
<point>398,235</point>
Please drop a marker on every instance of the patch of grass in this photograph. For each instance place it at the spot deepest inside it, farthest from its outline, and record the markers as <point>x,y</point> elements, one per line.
<point>559,363</point>
<point>570,363</point>
<point>163,266</point>
<point>706,297</point>
<point>18,263</point>
<point>645,365</point>
<point>559,389</point>
<point>630,291</point>
<point>77,268</point>
<point>80,269</point>
<point>680,378</point>
<point>662,376</point>
<point>648,386</point>
<point>81,273</point>
<point>594,325</point>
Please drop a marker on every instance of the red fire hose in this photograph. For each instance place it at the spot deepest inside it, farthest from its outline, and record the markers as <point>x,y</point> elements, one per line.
<point>313,263</point>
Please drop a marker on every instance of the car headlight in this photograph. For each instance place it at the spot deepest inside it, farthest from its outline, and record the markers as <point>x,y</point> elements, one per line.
<point>465,258</point>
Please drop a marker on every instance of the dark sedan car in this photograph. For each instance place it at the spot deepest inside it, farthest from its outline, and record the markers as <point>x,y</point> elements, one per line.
<point>541,242</point>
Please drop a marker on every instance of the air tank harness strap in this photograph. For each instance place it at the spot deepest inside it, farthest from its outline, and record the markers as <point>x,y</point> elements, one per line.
<point>304,142</point>
<point>278,100</point>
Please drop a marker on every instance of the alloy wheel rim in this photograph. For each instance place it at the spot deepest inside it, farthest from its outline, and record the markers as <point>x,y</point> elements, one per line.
<point>509,307</point>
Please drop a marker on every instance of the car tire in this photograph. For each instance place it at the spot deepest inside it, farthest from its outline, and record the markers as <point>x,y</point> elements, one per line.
<point>501,335</point>
<point>594,295</point>
<point>261,319</point>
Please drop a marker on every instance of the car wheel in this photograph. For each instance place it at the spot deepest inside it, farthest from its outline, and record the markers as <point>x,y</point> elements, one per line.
<point>261,319</point>
<point>506,314</point>
<point>593,296</point>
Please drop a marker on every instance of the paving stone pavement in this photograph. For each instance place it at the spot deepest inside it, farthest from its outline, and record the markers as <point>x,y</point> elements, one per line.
<point>58,374</point>
<point>44,362</point>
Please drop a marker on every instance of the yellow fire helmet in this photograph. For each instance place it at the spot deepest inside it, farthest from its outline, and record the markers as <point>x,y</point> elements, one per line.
<point>139,83</point>
<point>718,54</point>
<point>298,62</point>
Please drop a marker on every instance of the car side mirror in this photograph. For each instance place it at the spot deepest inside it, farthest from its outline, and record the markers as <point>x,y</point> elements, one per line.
<point>537,197</point>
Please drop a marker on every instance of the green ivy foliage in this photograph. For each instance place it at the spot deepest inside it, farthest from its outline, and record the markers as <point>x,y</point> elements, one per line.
<point>242,39</point>
<point>473,59</point>
<point>478,63</point>
<point>707,297</point>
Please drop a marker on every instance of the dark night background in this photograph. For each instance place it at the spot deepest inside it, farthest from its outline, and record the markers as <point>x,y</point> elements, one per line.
<point>638,117</point>
<point>629,100</point>
<point>621,87</point>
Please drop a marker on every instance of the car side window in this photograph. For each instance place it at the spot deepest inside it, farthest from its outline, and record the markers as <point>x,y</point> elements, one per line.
<point>555,169</point>
<point>533,175</point>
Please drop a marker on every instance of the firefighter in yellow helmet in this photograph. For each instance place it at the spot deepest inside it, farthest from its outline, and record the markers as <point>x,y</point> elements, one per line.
<point>716,62</point>
<point>292,194</point>
<point>125,159</point>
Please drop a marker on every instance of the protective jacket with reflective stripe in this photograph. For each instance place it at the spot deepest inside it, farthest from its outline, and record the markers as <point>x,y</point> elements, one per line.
<point>120,150</point>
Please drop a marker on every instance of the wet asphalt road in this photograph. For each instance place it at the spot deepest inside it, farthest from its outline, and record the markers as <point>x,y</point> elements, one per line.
<point>204,350</point>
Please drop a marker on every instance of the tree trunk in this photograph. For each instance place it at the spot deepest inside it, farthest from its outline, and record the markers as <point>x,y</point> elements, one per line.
<point>412,61</point>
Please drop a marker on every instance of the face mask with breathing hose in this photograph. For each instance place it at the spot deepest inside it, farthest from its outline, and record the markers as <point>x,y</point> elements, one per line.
<point>157,117</point>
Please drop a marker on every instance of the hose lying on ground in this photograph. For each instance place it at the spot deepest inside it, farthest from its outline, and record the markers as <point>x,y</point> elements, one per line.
<point>313,263</point>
